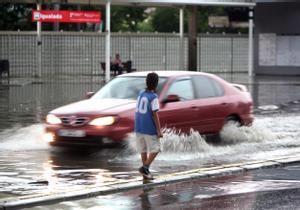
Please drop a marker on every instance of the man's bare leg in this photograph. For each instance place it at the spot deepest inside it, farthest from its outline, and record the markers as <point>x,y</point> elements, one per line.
<point>150,158</point>
<point>144,158</point>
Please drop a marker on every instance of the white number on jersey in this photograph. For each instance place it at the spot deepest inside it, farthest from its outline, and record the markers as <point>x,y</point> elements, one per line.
<point>142,106</point>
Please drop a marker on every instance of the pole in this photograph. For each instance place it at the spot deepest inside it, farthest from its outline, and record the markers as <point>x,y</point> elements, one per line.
<point>56,7</point>
<point>38,72</point>
<point>250,47</point>
<point>181,32</point>
<point>192,35</point>
<point>107,43</point>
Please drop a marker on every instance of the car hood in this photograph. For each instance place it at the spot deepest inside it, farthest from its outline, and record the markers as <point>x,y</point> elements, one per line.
<point>96,106</point>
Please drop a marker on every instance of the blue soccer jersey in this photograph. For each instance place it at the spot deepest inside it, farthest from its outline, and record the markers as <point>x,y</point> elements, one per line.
<point>147,103</point>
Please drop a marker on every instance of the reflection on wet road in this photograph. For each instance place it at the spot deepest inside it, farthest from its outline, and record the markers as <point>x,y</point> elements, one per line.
<point>276,188</point>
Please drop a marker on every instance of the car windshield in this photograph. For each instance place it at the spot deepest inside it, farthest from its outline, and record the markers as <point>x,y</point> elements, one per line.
<point>125,88</point>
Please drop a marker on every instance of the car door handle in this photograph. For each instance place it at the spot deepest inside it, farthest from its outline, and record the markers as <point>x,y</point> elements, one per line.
<point>194,107</point>
<point>224,104</point>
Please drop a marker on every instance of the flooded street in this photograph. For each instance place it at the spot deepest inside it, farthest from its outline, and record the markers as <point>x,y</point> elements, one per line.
<point>28,165</point>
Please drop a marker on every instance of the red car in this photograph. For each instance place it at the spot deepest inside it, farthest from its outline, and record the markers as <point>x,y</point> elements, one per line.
<point>187,99</point>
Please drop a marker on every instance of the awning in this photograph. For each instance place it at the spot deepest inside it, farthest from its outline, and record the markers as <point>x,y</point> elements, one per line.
<point>242,3</point>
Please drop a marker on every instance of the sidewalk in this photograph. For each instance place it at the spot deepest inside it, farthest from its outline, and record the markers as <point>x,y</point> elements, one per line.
<point>138,183</point>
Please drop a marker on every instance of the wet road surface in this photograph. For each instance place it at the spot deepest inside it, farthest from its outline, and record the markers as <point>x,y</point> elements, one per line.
<point>28,165</point>
<point>274,188</point>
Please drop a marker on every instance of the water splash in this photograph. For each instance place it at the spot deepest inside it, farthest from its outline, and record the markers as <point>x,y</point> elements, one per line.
<point>193,142</point>
<point>22,139</point>
<point>174,142</point>
<point>267,134</point>
<point>237,142</point>
<point>234,134</point>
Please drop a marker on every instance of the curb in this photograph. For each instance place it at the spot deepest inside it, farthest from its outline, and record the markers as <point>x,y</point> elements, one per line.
<point>136,183</point>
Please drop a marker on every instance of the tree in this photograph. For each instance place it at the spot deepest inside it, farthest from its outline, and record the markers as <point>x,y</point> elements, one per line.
<point>166,20</point>
<point>126,18</point>
<point>16,16</point>
<point>161,19</point>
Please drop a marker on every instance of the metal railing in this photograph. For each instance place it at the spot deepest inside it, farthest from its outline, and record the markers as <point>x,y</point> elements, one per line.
<point>80,53</point>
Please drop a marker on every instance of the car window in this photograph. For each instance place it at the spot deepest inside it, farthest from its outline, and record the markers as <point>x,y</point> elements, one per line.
<point>218,87</point>
<point>125,88</point>
<point>183,88</point>
<point>207,87</point>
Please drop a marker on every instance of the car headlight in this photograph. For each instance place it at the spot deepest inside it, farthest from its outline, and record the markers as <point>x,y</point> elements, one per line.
<point>52,119</point>
<point>103,121</point>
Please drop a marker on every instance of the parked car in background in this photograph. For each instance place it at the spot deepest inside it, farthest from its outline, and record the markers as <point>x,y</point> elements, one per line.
<point>201,101</point>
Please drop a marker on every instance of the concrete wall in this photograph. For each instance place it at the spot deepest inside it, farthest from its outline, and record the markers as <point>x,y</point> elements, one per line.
<point>281,19</point>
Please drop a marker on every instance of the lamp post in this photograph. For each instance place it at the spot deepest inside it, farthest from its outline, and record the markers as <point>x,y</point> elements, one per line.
<point>38,72</point>
<point>107,43</point>
<point>250,47</point>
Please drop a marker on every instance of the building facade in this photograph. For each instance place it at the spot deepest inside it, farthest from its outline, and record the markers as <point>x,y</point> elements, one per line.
<point>277,37</point>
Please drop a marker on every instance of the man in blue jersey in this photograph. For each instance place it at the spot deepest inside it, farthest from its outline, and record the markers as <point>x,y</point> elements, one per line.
<point>147,125</point>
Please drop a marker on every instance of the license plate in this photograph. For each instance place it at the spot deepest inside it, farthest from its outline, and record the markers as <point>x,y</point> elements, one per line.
<point>71,133</point>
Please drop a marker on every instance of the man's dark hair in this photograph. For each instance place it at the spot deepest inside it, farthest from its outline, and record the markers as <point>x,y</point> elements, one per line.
<point>152,81</point>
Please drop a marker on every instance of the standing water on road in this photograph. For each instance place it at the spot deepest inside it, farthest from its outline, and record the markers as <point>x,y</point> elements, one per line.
<point>28,164</point>
<point>267,137</point>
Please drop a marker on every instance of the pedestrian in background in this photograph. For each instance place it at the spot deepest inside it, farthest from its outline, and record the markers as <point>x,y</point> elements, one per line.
<point>117,64</point>
<point>147,125</point>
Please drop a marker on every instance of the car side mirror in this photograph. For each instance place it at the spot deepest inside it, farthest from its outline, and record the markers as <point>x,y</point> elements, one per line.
<point>89,95</point>
<point>171,98</point>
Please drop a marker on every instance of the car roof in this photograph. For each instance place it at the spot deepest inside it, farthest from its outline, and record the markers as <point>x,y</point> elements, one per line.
<point>164,73</point>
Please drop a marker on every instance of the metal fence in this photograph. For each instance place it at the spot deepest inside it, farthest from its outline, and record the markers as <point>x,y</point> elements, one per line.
<point>80,53</point>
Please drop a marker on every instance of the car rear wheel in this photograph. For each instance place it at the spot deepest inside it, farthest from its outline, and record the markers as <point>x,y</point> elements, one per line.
<point>230,120</point>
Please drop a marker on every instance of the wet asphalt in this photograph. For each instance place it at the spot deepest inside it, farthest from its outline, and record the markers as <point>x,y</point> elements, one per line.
<point>271,188</point>
<point>28,166</point>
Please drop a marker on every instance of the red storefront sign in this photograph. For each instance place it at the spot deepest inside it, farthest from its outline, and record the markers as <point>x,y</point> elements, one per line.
<point>63,16</point>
